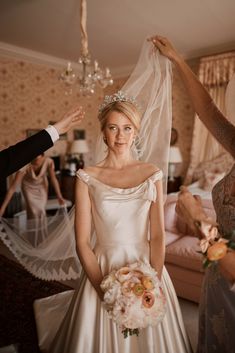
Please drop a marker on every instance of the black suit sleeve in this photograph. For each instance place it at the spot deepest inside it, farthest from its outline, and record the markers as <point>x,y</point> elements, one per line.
<point>15,157</point>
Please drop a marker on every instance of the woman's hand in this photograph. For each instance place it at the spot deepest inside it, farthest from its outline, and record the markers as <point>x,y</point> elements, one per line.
<point>189,208</point>
<point>61,201</point>
<point>165,47</point>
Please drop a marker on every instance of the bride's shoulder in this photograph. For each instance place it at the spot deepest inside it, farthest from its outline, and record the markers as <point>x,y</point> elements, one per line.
<point>93,171</point>
<point>148,168</point>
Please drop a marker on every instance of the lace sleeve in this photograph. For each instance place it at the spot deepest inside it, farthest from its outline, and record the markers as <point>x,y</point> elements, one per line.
<point>222,129</point>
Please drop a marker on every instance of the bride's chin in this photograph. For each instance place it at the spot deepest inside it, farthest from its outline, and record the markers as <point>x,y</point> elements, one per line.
<point>121,146</point>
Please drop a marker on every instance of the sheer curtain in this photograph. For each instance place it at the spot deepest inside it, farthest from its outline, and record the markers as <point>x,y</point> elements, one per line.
<point>214,73</point>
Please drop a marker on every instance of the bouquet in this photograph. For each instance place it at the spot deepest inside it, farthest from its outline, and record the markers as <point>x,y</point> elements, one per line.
<point>133,297</point>
<point>213,246</point>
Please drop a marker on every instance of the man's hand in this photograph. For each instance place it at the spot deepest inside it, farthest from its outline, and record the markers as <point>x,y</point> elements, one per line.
<point>70,120</point>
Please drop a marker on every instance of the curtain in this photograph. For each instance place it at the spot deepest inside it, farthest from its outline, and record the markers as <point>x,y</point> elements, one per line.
<point>214,73</point>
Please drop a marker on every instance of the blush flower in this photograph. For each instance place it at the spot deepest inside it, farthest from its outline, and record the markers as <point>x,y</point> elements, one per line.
<point>148,299</point>
<point>123,274</point>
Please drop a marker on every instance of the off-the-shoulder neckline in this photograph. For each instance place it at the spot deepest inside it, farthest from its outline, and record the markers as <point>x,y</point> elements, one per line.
<point>115,187</point>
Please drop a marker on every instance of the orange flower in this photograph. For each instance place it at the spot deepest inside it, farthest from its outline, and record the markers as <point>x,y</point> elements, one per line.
<point>138,289</point>
<point>217,251</point>
<point>147,282</point>
<point>148,299</point>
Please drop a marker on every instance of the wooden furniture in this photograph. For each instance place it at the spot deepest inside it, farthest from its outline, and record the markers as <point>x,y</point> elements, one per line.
<point>173,185</point>
<point>68,186</point>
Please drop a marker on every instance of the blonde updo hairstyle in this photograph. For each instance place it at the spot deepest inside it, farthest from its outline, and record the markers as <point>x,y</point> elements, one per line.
<point>123,107</point>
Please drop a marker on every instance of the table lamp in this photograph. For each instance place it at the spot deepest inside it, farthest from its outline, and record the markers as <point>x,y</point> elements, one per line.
<point>77,149</point>
<point>175,157</point>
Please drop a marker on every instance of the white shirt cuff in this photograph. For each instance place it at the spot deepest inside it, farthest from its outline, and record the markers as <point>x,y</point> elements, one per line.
<point>53,133</point>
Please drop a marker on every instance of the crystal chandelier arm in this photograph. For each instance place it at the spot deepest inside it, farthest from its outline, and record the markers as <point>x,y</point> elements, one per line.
<point>89,75</point>
<point>84,36</point>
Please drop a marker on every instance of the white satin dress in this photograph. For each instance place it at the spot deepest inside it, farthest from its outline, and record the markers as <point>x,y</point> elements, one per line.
<point>121,220</point>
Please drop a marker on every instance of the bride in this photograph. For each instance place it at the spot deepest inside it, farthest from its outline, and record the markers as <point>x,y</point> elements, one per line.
<point>123,198</point>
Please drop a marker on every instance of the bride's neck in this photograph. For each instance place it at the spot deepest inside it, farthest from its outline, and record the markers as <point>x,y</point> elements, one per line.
<point>118,161</point>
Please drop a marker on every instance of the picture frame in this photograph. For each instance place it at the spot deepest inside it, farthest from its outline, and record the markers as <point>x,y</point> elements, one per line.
<point>174,136</point>
<point>79,134</point>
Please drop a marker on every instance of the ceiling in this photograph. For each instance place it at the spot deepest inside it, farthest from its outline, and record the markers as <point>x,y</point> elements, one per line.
<point>117,28</point>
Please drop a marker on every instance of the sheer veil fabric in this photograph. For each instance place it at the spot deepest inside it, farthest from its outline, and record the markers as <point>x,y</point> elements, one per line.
<point>45,247</point>
<point>53,256</point>
<point>150,84</point>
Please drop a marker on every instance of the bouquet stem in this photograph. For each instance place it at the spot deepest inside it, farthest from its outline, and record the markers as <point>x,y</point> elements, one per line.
<point>130,332</point>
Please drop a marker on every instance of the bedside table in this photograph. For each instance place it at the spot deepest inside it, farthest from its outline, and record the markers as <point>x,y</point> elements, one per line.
<point>173,185</point>
<point>68,186</point>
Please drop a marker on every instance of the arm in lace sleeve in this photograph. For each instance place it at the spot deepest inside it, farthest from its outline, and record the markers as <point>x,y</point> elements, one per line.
<point>204,106</point>
<point>202,102</point>
<point>227,268</point>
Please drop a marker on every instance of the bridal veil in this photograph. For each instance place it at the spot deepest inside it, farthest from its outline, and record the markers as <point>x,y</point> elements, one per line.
<point>53,255</point>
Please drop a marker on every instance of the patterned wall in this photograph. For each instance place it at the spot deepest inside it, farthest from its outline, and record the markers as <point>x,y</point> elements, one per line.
<point>31,96</point>
<point>183,115</point>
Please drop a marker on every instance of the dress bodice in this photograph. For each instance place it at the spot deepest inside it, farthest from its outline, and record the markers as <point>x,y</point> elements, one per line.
<point>120,216</point>
<point>224,203</point>
<point>33,179</point>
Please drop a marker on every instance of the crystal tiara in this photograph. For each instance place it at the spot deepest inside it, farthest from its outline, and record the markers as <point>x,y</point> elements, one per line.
<point>120,96</point>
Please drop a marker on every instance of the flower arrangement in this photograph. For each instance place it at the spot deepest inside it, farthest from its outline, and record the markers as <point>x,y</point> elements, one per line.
<point>213,246</point>
<point>133,297</point>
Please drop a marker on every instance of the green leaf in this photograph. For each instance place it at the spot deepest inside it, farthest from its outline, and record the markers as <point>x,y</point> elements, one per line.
<point>206,263</point>
<point>130,332</point>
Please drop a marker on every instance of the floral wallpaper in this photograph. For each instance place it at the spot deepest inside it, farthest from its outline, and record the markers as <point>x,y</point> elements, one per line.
<point>31,96</point>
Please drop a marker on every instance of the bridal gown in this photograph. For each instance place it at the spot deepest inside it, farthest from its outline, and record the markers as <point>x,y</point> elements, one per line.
<point>217,304</point>
<point>121,218</point>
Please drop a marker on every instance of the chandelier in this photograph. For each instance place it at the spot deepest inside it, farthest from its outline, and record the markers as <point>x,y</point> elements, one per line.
<point>90,75</point>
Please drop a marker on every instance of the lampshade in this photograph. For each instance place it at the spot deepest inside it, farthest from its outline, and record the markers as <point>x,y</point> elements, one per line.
<point>79,146</point>
<point>175,155</point>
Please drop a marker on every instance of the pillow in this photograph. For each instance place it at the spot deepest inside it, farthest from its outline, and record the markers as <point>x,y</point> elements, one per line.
<point>210,179</point>
<point>220,164</point>
<point>170,217</point>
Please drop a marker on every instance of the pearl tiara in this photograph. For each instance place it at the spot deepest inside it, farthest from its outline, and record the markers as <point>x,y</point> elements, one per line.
<point>120,96</point>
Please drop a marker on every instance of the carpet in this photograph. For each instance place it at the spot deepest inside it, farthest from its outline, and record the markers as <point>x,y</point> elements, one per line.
<point>18,290</point>
<point>190,312</point>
